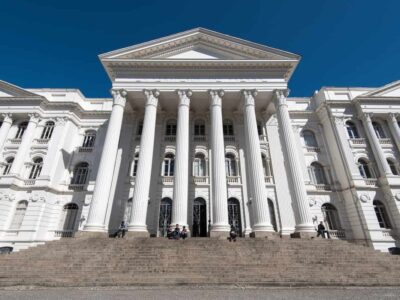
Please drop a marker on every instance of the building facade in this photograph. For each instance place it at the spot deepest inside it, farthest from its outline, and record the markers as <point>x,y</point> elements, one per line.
<point>200,131</point>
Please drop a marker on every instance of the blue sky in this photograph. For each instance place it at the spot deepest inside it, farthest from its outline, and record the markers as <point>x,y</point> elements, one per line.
<point>56,43</point>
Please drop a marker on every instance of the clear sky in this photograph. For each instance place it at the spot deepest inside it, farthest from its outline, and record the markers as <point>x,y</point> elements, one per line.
<point>46,43</point>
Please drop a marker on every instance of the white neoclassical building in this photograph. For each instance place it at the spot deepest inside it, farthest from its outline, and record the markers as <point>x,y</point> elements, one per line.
<point>200,131</point>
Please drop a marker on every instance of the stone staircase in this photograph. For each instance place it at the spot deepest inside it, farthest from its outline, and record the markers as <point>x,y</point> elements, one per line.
<point>199,261</point>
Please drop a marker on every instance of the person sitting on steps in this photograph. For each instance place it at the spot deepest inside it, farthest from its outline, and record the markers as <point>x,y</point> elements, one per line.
<point>184,233</point>
<point>176,234</point>
<point>232,234</point>
<point>121,230</point>
<point>321,231</point>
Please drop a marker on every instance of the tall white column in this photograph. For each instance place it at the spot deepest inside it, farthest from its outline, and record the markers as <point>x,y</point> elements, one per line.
<point>98,207</point>
<point>5,128</point>
<point>304,224</point>
<point>219,191</point>
<point>382,163</point>
<point>181,177</point>
<point>262,222</point>
<point>137,223</point>
<point>394,129</point>
<point>25,145</point>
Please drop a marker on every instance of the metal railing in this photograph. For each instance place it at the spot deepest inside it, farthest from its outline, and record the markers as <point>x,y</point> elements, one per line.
<point>76,187</point>
<point>199,138</point>
<point>229,138</point>
<point>313,149</point>
<point>385,141</point>
<point>170,138</point>
<point>233,179</point>
<point>357,141</point>
<point>42,141</point>
<point>15,141</point>
<point>322,187</point>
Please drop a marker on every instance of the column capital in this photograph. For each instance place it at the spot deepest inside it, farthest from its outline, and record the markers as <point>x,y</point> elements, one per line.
<point>184,97</point>
<point>60,121</point>
<point>119,96</point>
<point>216,97</point>
<point>7,117</point>
<point>393,117</point>
<point>34,118</point>
<point>280,96</point>
<point>365,116</point>
<point>151,97</point>
<point>248,97</point>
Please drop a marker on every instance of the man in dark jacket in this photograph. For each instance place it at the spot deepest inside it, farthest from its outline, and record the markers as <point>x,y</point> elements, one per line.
<point>321,231</point>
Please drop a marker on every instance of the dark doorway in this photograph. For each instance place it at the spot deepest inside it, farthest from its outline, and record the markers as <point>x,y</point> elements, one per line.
<point>199,228</point>
<point>235,219</point>
<point>164,220</point>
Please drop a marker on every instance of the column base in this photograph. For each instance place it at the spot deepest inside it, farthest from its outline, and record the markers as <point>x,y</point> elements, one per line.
<point>137,234</point>
<point>214,234</point>
<point>260,234</point>
<point>90,234</point>
<point>94,228</point>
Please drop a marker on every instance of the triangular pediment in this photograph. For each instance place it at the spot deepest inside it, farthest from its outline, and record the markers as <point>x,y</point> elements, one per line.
<point>390,90</point>
<point>8,90</point>
<point>199,44</point>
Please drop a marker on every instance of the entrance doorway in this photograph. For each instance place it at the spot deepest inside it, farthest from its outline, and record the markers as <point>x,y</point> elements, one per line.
<point>164,220</point>
<point>234,215</point>
<point>199,228</point>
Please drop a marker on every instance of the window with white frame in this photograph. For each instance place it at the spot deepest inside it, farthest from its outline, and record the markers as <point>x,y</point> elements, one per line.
<point>199,165</point>
<point>21,129</point>
<point>68,217</point>
<point>80,173</point>
<point>89,139</point>
<point>378,130</point>
<point>259,128</point>
<point>228,128</point>
<point>170,129</point>
<point>36,168</point>
<point>135,164</point>
<point>199,128</point>
<point>393,166</point>
<point>331,216</point>
<point>169,165</point>
<point>309,138</point>
<point>365,168</point>
<point>231,165</point>
<point>352,130</point>
<point>47,130</point>
<point>317,173</point>
<point>8,165</point>
<point>19,215</point>
<point>381,214</point>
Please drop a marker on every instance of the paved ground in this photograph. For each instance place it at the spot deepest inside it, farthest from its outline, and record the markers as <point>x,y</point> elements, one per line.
<point>225,293</point>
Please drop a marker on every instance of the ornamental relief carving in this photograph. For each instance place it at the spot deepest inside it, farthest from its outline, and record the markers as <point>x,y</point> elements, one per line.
<point>364,198</point>
<point>7,196</point>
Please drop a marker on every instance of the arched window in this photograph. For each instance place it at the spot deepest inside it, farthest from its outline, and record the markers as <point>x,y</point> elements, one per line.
<point>47,130</point>
<point>378,130</point>
<point>69,216</point>
<point>170,129</point>
<point>19,215</point>
<point>309,138</point>
<point>331,216</point>
<point>135,164</point>
<point>381,214</point>
<point>317,174</point>
<point>352,130</point>
<point>80,173</point>
<point>228,128</point>
<point>21,129</point>
<point>272,214</point>
<point>230,165</point>
<point>199,165</point>
<point>89,139</point>
<point>364,168</point>
<point>199,128</point>
<point>169,165</point>
<point>140,128</point>
<point>36,168</point>
<point>393,167</point>
<point>7,165</point>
